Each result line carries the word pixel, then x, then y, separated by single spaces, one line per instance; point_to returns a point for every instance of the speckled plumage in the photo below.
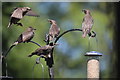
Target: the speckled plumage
pixel 87 23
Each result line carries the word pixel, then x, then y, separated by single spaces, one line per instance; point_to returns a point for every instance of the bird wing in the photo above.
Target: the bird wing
pixel 17 13
pixel 54 30
pixel 31 13
pixel 27 36
pixel 19 40
pixel 87 23
pixel 41 50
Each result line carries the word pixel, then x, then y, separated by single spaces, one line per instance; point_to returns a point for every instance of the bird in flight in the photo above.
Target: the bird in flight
pixel 19 13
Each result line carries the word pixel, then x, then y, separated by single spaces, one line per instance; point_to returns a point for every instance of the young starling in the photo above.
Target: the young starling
pixel 53 31
pixel 87 23
pixel 24 37
pixel 43 51
pixel 18 14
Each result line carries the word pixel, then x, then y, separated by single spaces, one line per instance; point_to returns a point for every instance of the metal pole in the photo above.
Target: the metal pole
pixel 0 66
pixel 93 69
pixel 51 73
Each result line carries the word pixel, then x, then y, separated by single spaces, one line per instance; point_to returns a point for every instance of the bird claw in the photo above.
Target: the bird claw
pixel 29 55
pixel 20 24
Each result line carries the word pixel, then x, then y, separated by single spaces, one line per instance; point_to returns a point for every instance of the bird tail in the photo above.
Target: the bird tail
pixel 9 25
pixel 15 43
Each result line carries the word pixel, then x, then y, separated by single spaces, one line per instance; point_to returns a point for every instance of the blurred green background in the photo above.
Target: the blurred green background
pixel 69 58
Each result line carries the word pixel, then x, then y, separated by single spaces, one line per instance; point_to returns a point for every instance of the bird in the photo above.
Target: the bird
pixel 19 13
pixel 87 23
pixel 43 51
pixel 54 30
pixel 24 37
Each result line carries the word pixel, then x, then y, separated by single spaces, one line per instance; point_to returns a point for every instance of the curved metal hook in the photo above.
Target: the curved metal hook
pixel 35 43
pixel 66 32
pixel 38 62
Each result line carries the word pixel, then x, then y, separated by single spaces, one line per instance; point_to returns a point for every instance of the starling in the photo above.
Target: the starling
pixel 43 51
pixel 87 23
pixel 24 37
pixel 18 14
pixel 53 31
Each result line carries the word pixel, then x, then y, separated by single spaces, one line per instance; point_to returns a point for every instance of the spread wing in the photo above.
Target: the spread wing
pixel 17 13
pixel 31 13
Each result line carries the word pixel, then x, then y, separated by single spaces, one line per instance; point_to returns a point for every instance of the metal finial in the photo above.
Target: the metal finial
pixel 93 53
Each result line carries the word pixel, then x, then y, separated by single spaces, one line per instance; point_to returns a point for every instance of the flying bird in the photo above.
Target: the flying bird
pixel 87 23
pixel 19 13
pixel 53 31
pixel 24 37
pixel 43 51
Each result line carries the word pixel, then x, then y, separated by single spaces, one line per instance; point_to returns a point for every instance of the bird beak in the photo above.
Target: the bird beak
pixel 49 20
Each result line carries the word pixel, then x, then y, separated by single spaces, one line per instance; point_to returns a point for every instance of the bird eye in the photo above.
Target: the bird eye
pixel 50 21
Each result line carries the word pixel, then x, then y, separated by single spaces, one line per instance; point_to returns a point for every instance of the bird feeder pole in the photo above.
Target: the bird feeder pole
pixel 0 66
pixel 93 68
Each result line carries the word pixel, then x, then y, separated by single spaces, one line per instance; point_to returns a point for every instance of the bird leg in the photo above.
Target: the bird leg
pixel 31 54
pixel 89 34
pixel 19 24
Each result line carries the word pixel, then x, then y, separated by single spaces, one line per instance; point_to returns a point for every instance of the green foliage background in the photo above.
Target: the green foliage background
pixel 70 61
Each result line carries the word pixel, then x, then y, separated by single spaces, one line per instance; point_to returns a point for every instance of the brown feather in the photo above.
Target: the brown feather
pixel 87 23
pixel 44 50
pixel 54 30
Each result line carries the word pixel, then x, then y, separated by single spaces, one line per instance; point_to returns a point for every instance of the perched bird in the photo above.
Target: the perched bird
pixel 87 23
pixel 43 51
pixel 24 37
pixel 53 31
pixel 19 13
